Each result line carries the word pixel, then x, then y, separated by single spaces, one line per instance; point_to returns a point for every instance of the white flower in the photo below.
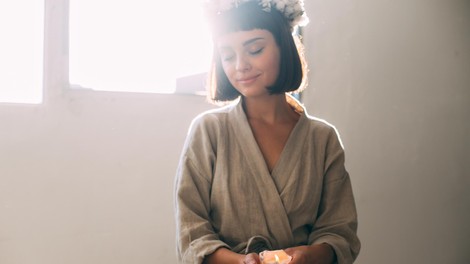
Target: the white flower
pixel 293 10
pixel 281 5
pixel 266 5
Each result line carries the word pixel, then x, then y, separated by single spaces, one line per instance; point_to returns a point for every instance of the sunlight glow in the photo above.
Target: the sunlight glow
pixel 21 51
pixel 136 45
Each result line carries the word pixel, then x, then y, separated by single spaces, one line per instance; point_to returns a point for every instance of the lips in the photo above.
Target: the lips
pixel 248 79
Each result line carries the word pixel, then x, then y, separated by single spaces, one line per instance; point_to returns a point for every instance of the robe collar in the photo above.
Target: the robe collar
pixel 271 186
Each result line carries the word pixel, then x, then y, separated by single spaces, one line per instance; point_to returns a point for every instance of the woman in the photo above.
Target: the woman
pixel 260 173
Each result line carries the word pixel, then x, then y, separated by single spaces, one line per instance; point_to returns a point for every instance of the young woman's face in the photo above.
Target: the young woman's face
pixel 250 60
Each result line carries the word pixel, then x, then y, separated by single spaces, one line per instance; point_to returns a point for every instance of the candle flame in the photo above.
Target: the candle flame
pixel 277 258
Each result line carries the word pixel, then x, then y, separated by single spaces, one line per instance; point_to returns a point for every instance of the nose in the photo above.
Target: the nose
pixel 242 64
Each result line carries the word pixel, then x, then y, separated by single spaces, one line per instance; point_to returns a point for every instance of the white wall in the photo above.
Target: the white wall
pixel 87 177
pixel 90 179
pixel 394 77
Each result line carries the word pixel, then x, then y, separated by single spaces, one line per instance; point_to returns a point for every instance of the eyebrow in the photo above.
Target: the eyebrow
pixel 246 43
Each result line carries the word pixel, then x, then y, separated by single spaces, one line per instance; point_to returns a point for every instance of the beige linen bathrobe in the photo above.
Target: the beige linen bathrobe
pixel 225 194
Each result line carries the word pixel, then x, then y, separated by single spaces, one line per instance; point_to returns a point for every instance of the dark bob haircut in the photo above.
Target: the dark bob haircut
pixel 249 16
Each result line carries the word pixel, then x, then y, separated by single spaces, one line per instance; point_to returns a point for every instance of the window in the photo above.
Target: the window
pixel 136 45
pixel 21 51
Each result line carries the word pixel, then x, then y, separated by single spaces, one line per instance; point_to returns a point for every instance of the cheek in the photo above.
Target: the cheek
pixel 228 69
pixel 274 64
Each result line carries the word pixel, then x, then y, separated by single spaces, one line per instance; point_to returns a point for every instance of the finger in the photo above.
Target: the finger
pixel 252 258
pixel 289 251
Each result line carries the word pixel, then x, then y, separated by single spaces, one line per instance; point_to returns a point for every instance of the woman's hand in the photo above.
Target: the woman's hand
pixel 225 256
pixel 252 258
pixel 314 254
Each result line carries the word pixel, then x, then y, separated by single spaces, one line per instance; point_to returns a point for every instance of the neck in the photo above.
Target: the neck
pixel 270 109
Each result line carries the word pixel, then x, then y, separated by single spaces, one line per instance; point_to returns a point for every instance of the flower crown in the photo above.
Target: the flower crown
pixel 293 10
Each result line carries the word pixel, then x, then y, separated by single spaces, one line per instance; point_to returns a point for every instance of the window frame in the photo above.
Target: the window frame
pixel 56 83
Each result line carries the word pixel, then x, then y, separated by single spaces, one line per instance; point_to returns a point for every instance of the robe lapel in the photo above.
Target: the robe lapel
pixel 290 155
pixel 279 224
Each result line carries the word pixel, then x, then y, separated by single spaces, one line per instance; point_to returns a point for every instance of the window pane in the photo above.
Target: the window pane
pixel 21 51
pixel 136 45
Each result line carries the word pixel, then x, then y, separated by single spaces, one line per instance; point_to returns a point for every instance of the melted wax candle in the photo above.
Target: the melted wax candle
pixel 274 257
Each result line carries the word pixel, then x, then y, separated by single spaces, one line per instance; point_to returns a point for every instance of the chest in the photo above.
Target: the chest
pixel 271 140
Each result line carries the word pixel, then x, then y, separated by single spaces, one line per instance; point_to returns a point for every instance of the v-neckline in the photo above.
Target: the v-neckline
pixel 270 184
pixel 254 149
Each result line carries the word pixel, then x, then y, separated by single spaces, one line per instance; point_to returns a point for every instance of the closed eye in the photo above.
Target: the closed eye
pixel 227 56
pixel 257 51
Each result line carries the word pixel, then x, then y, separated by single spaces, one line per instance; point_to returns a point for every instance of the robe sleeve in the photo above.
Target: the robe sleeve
pixel 195 235
pixel 336 222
